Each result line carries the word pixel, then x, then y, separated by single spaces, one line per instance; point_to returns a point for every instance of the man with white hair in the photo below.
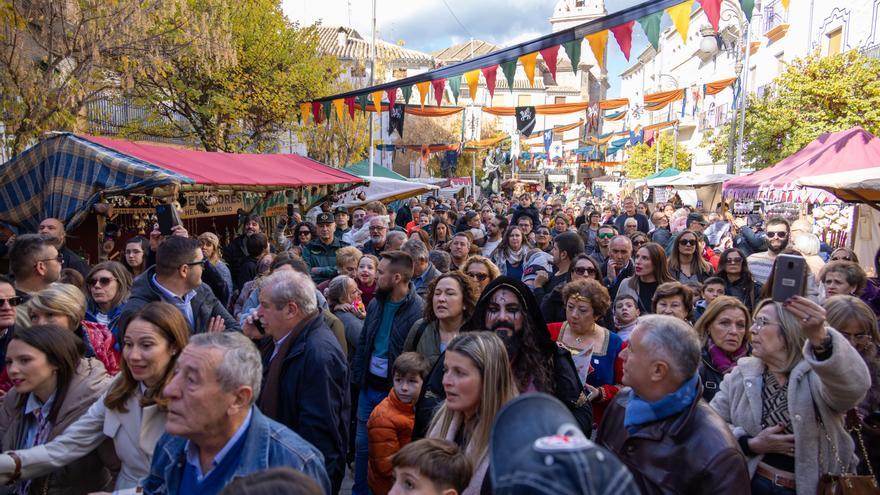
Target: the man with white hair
pixel 305 371
pixel 378 231
pixel 214 433
pixel 661 417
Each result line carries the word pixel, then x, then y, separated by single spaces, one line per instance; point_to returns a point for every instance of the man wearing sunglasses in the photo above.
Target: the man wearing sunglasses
pixel 777 232
pixel 35 263
pixel 176 278
pixel 603 243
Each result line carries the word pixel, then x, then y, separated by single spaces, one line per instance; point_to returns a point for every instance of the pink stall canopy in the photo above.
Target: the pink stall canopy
pixel 845 151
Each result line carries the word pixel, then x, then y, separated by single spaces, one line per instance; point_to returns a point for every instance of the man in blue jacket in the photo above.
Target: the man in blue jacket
pixel 213 432
pixel 390 315
pixel 305 378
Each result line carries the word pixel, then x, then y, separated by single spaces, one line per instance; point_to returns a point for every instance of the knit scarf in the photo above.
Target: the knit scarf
pixel 723 361
pixel 516 257
pixel 640 412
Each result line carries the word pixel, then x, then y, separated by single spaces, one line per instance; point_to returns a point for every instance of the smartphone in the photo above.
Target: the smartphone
pixel 789 277
pixel 289 210
pixel 168 218
pixel 258 323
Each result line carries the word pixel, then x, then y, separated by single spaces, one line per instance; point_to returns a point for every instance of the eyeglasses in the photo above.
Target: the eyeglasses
pixel 841 258
pixel 857 338
pixel 480 277
pixel 377 229
pixel 202 262
pixel 305 232
pixel 639 243
pixel 102 281
pixel 12 301
pixel 760 323
pixel 734 261
pixel 58 258
pixel 779 234
pixel 581 270
pixel 607 235
pixel 687 242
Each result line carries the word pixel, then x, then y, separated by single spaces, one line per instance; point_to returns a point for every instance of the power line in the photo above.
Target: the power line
pixel 466 30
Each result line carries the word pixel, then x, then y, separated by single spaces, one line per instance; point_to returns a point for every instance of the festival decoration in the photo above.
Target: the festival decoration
pixel 423 91
pixel 681 18
pixel 550 56
pixel 573 50
pixel 712 9
pixel 651 26
pixel 438 85
pixel 597 42
pixel 623 34
pixel 489 74
pixel 528 62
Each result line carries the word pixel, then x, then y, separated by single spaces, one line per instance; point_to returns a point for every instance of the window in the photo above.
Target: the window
pixel 834 40
pixel 498 100
pixel 559 100
pixel 780 63
pixel 523 100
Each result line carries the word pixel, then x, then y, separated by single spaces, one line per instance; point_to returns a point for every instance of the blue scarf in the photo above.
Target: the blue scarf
pixel 640 412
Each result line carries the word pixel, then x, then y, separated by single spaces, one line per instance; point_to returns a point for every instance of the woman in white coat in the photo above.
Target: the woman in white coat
pixel 799 367
pixel 132 412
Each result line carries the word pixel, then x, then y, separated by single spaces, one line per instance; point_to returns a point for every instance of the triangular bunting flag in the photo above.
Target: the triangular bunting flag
pixel 573 50
pixel 623 34
pixel 712 8
pixel 473 79
pixel 489 74
pixel 304 110
pixel 438 85
pixel 392 97
pixel 377 101
pixel 407 92
pixel 550 55
pixel 327 109
pixel 748 7
pixel 350 103
pixel 455 87
pixel 316 111
pixel 339 106
pixel 597 43
pixel 509 69
pixel 785 4
pixel 681 18
pixel 362 101
pixel 528 63
pixel 423 91
pixel 651 26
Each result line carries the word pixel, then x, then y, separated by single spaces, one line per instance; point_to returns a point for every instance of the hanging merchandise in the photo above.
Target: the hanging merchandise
pixel 525 120
pixel 395 119
pixel 548 139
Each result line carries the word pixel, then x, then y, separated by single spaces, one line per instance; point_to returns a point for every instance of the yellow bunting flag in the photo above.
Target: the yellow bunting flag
pixel 528 62
pixel 377 100
pixel 597 43
pixel 473 79
pixel 681 17
pixel 305 110
pixel 339 105
pixel 785 4
pixel 423 91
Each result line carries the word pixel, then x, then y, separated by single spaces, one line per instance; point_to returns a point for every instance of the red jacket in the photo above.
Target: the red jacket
pixel 389 428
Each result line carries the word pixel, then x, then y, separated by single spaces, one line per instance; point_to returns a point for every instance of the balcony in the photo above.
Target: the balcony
pixel 775 22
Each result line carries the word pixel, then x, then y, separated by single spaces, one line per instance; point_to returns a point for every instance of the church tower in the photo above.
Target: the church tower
pixel 590 79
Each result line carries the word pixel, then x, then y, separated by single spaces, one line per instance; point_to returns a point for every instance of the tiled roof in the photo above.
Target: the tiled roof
pixel 462 51
pixel 357 48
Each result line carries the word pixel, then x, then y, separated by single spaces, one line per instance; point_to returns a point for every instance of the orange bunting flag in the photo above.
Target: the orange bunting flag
pixel 377 100
pixel 549 55
pixel 339 106
pixel 681 17
pixel 438 85
pixel 785 4
pixel 304 110
pixel 423 91
pixel 528 62
pixel 597 43
pixel 473 79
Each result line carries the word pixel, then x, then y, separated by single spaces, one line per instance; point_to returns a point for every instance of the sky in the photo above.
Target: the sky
pixel 429 25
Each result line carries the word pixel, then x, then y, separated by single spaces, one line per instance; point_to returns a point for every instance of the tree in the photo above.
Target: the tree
pixel 240 102
pixel 813 96
pixel 337 142
pixel 57 55
pixel 643 158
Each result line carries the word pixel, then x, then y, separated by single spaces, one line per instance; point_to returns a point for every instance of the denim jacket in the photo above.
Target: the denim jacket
pixel 268 444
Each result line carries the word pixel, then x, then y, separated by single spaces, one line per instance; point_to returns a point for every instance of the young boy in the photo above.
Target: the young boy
pixel 626 312
pixel 712 288
pixel 391 424
pixel 430 467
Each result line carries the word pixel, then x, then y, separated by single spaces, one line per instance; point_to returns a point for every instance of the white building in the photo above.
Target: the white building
pixel 777 36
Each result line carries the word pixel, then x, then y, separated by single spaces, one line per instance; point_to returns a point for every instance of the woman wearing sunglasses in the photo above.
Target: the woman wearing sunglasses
pixel 481 270
pixel 686 262
pixel 584 268
pixel 733 268
pixel 108 285
pixel 544 239
pixel 9 300
pixel 303 233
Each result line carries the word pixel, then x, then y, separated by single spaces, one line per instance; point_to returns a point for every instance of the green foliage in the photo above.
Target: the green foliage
pixel 813 96
pixel 643 158
pixel 337 142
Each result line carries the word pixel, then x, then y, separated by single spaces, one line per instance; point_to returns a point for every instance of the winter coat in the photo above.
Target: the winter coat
pixel 322 256
pixel 389 428
pixel 99 343
pixel 831 386
pixel 424 338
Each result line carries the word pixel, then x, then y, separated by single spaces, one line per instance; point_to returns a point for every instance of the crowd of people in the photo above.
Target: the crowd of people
pixel 534 343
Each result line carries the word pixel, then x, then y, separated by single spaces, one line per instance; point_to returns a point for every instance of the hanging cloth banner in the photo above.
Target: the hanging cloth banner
pixel 657 127
pixel 407 93
pixel 392 96
pixel 525 120
pixel 712 9
pixel 623 34
pixel 528 62
pixel 713 88
pixel 438 85
pixel 658 101
pixel 395 119
pixel 484 143
pixel 573 50
pixel 509 70
pixel 428 111
pixel 350 103
pixel 489 74
pixel 651 26
pixel 615 116
pixel 423 91
pixel 597 42
pixel 748 7
pixel 473 79
pixel 612 104
pixel 550 56
pixel 455 87
pixel 339 106
pixel 304 110
pixel 556 109
pixel 681 18
pixel 430 148
pixel 548 140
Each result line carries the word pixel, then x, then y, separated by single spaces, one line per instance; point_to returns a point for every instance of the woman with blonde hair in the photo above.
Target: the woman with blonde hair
pixel 478 382
pixel 724 328
pixel 481 269
pixel 210 244
pixel 65 305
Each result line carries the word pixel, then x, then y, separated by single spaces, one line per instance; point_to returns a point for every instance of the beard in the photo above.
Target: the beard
pixel 511 338
pixel 777 249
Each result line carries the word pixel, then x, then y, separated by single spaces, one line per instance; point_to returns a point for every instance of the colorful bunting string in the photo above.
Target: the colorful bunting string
pixel 681 18
pixel 362 101
pixel 597 43
pixel 573 50
pixel 423 91
pixel 623 34
pixel 651 26
pixel 509 70
pixel 712 9
pixel 407 92
pixel 528 62
pixel 339 106
pixel 473 79
pixel 550 56
pixel 438 85
pixel 316 111
pixel 489 74
pixel 455 87
pixel 304 110
pixel 327 109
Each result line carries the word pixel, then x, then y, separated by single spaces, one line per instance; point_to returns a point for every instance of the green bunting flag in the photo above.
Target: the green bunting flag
pixel 328 109
pixel 509 69
pixel 362 101
pixel 407 92
pixel 748 6
pixel 573 50
pixel 455 87
pixel 651 26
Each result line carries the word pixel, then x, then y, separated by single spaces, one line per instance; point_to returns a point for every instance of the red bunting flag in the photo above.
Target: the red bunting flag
pixel 392 97
pixel 712 8
pixel 489 73
pixel 549 55
pixel 350 103
pixel 623 34
pixel 316 111
pixel 438 85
